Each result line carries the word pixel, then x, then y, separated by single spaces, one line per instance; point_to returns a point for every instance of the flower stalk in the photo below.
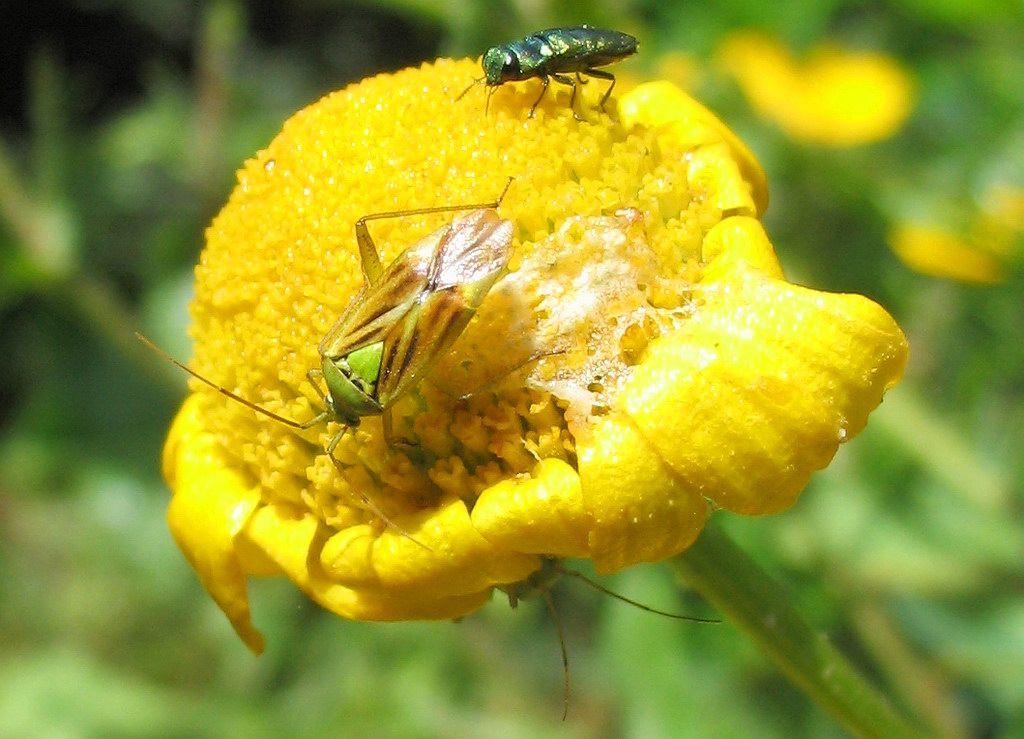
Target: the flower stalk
pixel 722 573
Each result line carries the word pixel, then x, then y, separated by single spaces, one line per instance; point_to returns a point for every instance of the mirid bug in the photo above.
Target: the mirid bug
pixel 405 317
pixel 556 54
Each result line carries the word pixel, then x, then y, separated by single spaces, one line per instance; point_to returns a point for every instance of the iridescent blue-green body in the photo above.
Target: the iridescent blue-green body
pixel 557 53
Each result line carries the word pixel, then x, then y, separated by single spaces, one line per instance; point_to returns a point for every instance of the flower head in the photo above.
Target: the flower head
pixel 641 362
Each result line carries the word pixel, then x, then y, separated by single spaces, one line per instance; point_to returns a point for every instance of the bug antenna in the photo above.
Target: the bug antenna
pixel 227 393
pixel 601 588
pixel 473 84
pixel 550 603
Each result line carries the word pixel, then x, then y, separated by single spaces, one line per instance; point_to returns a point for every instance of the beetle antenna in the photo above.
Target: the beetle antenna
pixel 471 86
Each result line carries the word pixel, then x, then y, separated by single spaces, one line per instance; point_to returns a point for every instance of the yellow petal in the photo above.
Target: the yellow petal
pixel 542 513
pixel 757 390
pixel 934 252
pixel 834 97
pixel 210 506
pixel 293 539
pixel 642 510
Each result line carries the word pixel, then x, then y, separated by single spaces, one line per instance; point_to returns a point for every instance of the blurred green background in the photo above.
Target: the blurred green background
pixel 121 125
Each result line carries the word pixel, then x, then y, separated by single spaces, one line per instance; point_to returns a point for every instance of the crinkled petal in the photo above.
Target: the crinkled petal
pixel 293 539
pixel 642 510
pixel 541 513
pixel 442 554
pixel 759 387
pixel 663 105
pixel 211 504
pixel 738 243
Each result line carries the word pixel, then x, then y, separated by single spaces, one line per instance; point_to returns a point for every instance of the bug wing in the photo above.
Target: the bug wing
pixel 474 251
pixel 377 308
pixel 467 262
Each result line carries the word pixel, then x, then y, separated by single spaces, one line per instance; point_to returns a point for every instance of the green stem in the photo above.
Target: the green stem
pixel 723 573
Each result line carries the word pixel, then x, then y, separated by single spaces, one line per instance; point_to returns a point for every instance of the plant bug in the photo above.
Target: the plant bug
pixel 406 316
pixel 552 54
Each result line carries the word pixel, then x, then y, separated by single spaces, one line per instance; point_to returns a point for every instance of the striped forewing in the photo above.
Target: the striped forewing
pixel 468 260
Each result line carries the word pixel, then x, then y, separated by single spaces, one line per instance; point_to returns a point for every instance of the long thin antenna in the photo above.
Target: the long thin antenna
pixel 224 391
pixel 550 603
pixel 472 85
pixel 601 588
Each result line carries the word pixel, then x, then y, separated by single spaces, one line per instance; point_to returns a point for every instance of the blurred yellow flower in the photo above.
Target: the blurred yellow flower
pixel 834 97
pixel 982 253
pixel 938 253
pixel 681 69
pixel 674 370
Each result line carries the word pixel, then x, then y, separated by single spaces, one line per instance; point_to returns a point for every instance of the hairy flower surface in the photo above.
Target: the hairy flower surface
pixel 833 97
pixel 641 362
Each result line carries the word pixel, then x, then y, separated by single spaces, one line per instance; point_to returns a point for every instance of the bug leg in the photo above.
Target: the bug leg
pixel 368 255
pixel 387 422
pixel 540 97
pixel 503 375
pixel 299 425
pixel 363 498
pixel 605 76
pixel 372 267
pixel 367 503
pixel 572 98
pixel 313 376
pixel 560 630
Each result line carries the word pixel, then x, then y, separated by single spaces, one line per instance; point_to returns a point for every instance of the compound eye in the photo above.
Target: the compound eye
pixel 511 63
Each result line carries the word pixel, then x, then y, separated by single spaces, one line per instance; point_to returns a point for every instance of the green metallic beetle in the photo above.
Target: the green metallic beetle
pixel 553 54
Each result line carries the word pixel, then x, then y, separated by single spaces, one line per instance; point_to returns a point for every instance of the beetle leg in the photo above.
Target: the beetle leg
pixel 540 97
pixel 572 99
pixel 605 76
pixel 487 105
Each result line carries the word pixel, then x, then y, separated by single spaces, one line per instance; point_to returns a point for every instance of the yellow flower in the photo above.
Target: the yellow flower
pixel 834 97
pixel 983 254
pixel 935 252
pixel 642 362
